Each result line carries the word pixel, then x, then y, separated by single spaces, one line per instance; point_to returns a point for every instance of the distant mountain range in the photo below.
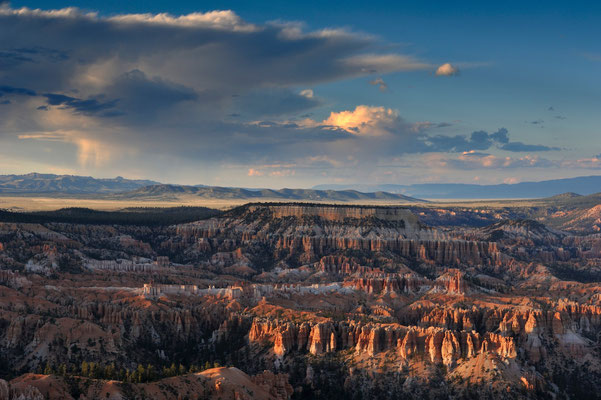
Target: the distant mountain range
pixel 124 189
pixel 67 184
pixel 584 185
pixel 121 188
pixel 214 192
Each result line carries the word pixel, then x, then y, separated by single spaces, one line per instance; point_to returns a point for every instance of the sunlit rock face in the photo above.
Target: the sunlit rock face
pixel 299 296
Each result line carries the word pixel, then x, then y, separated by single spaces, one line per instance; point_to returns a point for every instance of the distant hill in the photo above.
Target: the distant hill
pixel 584 185
pixel 572 200
pixel 558 191
pixel 67 184
pixel 215 192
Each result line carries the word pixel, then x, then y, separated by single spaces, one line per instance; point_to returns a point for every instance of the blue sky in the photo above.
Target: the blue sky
pixel 252 107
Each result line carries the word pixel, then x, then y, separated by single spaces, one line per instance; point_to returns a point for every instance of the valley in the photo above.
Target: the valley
pixel 306 300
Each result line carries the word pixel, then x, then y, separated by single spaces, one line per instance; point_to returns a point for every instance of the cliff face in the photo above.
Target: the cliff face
pixel 437 345
pixel 440 335
pixel 343 297
pixel 312 233
pixel 340 213
pixel 390 283
pixel 114 329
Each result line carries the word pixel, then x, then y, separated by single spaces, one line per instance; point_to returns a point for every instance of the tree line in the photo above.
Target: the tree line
pixel 140 374
pixel 130 216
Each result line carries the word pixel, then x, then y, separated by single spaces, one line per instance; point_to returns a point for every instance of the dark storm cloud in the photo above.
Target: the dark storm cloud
pixel 194 87
pixel 214 51
pixel 16 90
pixel 11 58
pixel 143 98
pixel 91 106
pixel 165 80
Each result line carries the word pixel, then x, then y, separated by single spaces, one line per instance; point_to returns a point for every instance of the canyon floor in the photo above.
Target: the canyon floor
pixel 308 301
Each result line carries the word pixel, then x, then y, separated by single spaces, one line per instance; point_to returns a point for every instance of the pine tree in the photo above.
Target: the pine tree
pixel 48 370
pixel 93 370
pixel 172 371
pixel 141 374
pixel 109 371
pixel 150 373
pixel 85 368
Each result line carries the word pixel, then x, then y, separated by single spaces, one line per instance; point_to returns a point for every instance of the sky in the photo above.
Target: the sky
pixel 295 94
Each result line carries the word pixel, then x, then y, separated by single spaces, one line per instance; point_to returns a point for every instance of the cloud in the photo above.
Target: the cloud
pixel 382 63
pixel 379 82
pixel 205 51
pixel 282 173
pixel 145 98
pixel 365 120
pixel 474 160
pixel 308 93
pixel 447 69
pixel 477 140
pixel 203 89
pixel 582 163
pixel 254 172
pixel 500 136
pixel 522 147
pixel 482 140
pixel 224 20
pixel 8 90
pixel 427 125
pixel 396 134
pixel 159 83
pixel 91 106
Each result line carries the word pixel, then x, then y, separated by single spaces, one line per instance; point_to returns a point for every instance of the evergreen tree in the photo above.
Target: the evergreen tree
pixel 150 373
pixel 140 374
pixel 109 371
pixel 48 370
pixel 172 370
pixel 85 368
